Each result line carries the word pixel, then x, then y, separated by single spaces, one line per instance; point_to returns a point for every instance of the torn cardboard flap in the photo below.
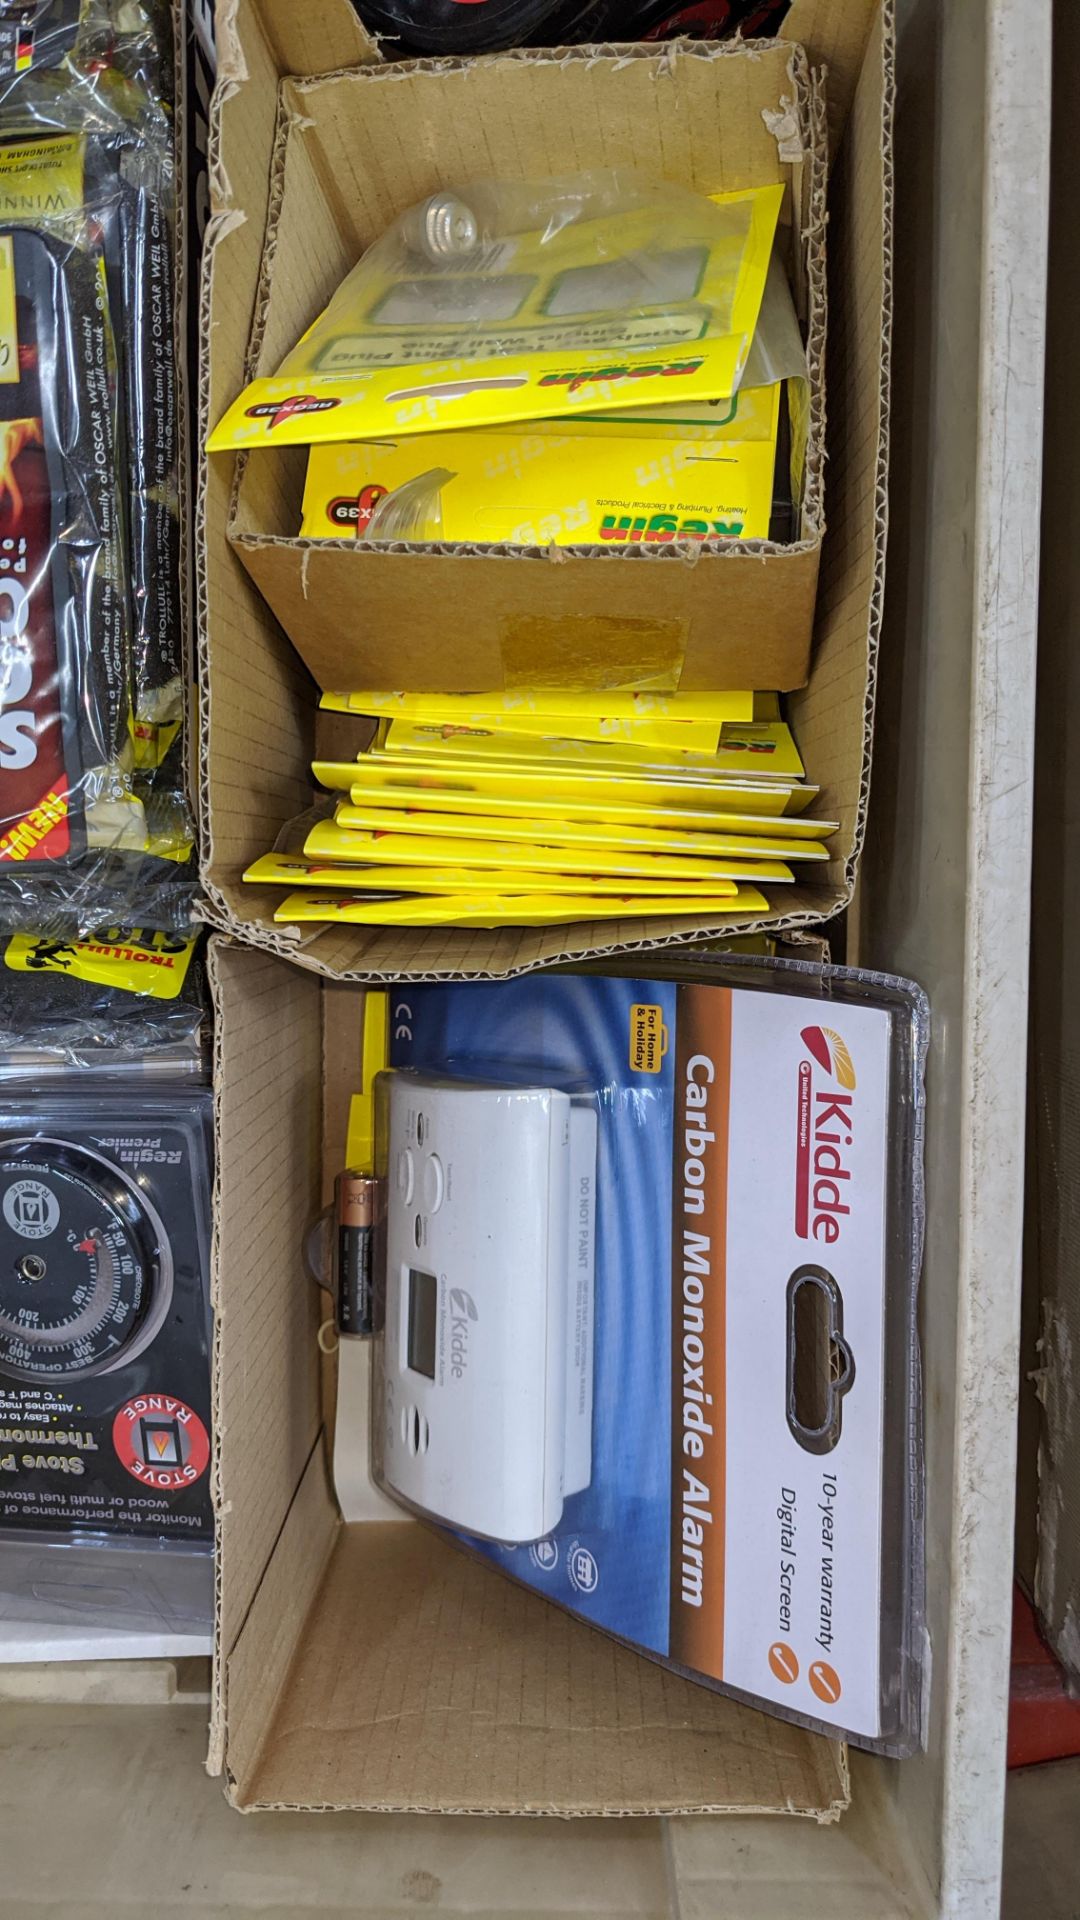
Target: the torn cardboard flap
pixel 784 126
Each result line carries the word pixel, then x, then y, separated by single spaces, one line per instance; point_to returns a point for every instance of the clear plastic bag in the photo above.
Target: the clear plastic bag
pixel 76 63
pixel 65 776
pixel 86 153
pixel 509 267
pixel 128 1001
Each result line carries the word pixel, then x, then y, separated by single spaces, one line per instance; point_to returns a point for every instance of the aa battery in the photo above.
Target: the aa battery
pixel 354 1205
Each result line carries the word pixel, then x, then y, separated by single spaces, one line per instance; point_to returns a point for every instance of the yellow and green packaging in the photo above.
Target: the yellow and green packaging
pixel 699 471
pixel 573 297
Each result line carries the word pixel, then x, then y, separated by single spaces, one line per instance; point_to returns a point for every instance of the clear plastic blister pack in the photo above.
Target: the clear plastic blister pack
pixel 94 817
pixel 105 1182
pixel 503 267
pixel 644 1304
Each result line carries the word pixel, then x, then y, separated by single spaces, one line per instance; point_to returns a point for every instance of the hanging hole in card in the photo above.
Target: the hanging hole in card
pixel 820 1365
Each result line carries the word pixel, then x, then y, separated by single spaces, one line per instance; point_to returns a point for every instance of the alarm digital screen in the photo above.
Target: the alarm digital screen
pixel 423 1300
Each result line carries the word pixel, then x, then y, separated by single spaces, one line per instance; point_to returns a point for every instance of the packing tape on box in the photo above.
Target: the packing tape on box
pixel 585 653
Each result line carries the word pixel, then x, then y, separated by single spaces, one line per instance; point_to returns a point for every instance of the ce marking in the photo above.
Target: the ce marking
pixel 403 1021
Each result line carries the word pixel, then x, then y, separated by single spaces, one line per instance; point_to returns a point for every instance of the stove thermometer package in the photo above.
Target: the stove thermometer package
pixel 104 1314
pixel 650 1348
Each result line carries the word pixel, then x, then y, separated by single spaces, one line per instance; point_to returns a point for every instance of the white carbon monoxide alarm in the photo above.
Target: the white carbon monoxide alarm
pixel 487 1365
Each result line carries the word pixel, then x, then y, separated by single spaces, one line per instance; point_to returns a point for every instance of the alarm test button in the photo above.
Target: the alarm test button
pixel 434 1183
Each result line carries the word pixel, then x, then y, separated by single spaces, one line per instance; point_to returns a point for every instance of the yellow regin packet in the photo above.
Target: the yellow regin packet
pixel 772 843
pixel 635 299
pixel 341 845
pixel 572 483
pixel 762 750
pixel 289 870
pixel 514 910
pixel 507 709
pixel 598 792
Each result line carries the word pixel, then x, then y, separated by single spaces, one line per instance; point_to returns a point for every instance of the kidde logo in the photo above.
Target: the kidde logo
pixel 825 1131
pixel 462 1311
pixel 274 412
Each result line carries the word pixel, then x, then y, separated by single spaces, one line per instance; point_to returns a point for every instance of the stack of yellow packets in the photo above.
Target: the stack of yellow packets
pixel 523 809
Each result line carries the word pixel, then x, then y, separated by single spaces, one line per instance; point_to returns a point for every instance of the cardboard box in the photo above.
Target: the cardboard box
pixel 471 618
pixel 952 809
pixel 257 701
pixel 371 1665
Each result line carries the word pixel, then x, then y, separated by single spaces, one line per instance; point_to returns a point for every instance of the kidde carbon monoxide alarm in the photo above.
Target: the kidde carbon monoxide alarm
pixel 487 1369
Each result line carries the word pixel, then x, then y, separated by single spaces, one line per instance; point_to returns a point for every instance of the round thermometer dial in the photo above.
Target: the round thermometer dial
pixel 85 1269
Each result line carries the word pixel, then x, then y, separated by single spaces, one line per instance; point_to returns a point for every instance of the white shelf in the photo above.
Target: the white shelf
pixel 136 1602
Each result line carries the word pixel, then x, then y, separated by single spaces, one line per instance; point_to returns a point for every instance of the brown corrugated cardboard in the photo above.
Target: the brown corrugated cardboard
pixel 265 1350
pixel 1048 1542
pixel 836 35
pixel 257 708
pixel 469 618
pixel 372 1666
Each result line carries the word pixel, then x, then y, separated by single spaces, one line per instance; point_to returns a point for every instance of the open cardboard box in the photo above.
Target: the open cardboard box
pixel 371 1665
pixel 945 897
pixel 468 619
pixel 303 173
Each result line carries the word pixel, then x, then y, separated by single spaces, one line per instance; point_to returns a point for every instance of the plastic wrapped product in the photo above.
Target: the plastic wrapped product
pixel 126 1001
pixel 105 71
pixel 104 1316
pixel 64 63
pixel 106 195
pixel 499 301
pixel 645 1334
pixel 65 754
